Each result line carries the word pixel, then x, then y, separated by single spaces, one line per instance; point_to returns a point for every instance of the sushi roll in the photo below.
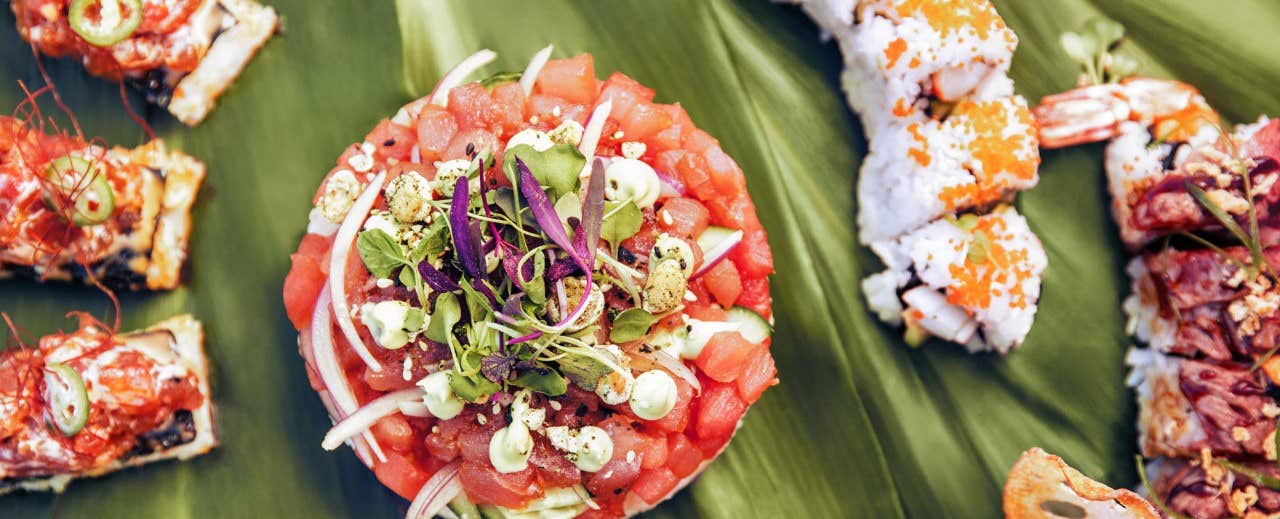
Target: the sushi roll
pixel 535 297
pixel 1041 485
pixel 979 156
pixel 1185 406
pixel 1208 489
pixel 1162 137
pixel 906 59
pixel 1204 303
pixel 948 143
pixel 972 280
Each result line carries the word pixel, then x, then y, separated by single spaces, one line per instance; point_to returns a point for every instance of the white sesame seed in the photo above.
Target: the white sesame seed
pixel 480 419
pixel 555 405
pixel 555 110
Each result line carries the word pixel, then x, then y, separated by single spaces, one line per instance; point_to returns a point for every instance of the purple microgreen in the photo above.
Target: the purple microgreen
pixel 464 243
pixel 561 269
pixel 543 211
pixel 483 289
pixel 549 221
pixel 497 366
pixel 593 212
pixel 511 309
pixel 438 281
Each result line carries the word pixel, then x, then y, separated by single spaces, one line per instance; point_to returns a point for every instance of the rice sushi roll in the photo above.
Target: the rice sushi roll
pixel 948 143
pixel 1205 488
pixel 1187 405
pixel 972 280
pixel 545 296
pixel 905 59
pixel 979 156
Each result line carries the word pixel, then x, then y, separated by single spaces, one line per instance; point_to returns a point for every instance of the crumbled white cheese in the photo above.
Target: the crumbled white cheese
pixel 448 173
pixel 340 192
pixel 532 137
pixel 408 197
pixel 569 132
pixel 633 149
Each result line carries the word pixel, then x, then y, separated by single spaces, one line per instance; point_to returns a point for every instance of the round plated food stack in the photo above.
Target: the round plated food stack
pixel 539 292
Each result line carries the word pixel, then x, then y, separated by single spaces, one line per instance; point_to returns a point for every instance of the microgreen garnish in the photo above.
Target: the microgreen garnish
pixel 495 271
pixel 1093 48
pixel 622 220
pixel 1151 491
pixel 631 324
pixel 1260 478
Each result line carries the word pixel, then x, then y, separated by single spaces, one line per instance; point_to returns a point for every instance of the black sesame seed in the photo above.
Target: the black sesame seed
pixel 471 149
pixel 389 143
pixel 683 265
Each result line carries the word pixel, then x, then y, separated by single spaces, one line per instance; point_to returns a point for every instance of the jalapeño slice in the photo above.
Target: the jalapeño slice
pixel 67 397
pixel 80 188
pixel 104 23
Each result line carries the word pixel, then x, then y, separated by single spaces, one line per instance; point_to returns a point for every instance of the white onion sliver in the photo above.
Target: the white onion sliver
pixel 459 73
pixel 416 409
pixel 338 268
pixel 530 75
pixel 718 253
pixel 339 399
pixel 364 418
pixel 436 494
pixel 676 367
pixel 591 134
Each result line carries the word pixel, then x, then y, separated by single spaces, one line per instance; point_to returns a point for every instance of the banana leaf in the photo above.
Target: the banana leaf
pixel 862 426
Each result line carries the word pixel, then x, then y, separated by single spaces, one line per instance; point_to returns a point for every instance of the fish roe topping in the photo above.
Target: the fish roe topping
pixel 948 17
pixel 919 154
pixel 995 264
pixel 894 51
pixel 999 139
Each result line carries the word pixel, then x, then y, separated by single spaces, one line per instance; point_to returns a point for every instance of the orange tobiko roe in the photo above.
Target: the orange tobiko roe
pixel 732 371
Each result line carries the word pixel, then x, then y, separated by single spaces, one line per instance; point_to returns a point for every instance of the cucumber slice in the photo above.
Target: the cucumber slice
pixel 752 326
pixel 713 236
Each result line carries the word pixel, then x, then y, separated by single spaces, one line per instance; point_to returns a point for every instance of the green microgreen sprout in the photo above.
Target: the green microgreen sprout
pixel 1094 49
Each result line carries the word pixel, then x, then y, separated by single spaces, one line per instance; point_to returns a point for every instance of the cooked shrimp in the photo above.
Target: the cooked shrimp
pixel 1173 110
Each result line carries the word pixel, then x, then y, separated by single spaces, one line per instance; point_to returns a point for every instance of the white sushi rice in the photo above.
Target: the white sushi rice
pixel 1143 310
pixel 933 254
pixel 1166 421
pixel 905 180
pixel 890 58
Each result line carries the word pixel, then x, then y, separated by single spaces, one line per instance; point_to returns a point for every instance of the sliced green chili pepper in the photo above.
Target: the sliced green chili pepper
pixel 105 22
pixel 83 184
pixel 68 400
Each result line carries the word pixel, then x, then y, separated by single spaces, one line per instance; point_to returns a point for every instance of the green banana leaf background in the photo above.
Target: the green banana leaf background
pixel 862 426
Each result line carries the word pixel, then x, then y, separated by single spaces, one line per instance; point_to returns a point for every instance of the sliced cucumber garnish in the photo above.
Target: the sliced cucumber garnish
pixel 79 190
pixel 752 326
pixel 712 236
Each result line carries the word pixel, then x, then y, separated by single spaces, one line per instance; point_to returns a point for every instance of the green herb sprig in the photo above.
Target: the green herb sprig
pixel 1093 48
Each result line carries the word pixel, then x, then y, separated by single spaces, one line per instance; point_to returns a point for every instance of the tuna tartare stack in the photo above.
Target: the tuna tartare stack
pixel 540 294
pixel 950 145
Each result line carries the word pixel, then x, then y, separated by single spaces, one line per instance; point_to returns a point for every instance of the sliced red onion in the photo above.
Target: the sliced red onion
pixel 458 74
pixel 338 257
pixel 436 494
pixel 595 126
pixel 718 253
pixel 364 418
pixel 339 399
pixel 530 75
pixel 676 366
pixel 672 187
pixel 592 214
